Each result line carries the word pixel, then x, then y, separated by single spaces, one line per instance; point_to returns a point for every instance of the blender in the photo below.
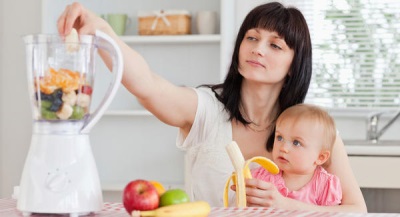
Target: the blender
pixel 60 174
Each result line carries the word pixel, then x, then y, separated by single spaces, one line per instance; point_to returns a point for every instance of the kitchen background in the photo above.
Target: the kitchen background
pixel 129 143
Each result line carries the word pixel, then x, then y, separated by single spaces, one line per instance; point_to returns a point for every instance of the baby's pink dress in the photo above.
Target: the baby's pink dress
pixel 323 189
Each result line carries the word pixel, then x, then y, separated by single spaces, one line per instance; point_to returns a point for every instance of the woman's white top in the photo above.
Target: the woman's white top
pixel 207 164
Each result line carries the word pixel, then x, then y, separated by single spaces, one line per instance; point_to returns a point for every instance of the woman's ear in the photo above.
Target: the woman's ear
pixel 322 157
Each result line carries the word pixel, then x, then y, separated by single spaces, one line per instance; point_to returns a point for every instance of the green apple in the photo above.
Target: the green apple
pixel 173 196
pixel 78 113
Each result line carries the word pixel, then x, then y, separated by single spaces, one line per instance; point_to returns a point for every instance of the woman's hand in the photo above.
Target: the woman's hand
pixel 84 21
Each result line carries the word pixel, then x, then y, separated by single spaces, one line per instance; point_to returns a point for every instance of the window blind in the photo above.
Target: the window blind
pixel 356 52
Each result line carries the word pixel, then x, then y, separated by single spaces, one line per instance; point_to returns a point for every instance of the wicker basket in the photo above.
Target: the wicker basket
pixel 170 22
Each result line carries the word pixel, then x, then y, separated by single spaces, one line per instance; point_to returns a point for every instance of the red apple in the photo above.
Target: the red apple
pixel 140 195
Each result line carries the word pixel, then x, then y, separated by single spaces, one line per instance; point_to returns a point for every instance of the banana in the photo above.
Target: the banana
pixel 192 209
pixel 242 172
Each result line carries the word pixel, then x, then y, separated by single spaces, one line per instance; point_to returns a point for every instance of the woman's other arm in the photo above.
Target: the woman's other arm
pixel 352 199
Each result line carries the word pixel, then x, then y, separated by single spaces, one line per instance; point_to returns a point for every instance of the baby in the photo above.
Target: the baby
pixel 304 138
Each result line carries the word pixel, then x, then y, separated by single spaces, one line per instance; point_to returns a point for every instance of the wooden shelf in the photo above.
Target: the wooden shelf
pixel 172 39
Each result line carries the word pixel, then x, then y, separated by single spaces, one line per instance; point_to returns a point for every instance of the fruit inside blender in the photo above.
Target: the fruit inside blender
pixel 62 95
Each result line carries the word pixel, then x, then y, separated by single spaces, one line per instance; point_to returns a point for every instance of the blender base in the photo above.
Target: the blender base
pixel 27 214
pixel 60 177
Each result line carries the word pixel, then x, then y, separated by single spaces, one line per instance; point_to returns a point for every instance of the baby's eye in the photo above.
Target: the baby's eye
pixel 296 143
pixel 279 138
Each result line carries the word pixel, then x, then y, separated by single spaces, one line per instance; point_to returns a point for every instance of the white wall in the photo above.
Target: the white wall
pixel 15 116
pixel 1 91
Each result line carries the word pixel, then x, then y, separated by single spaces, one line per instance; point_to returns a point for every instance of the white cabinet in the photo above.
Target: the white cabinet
pixel 128 142
pixel 376 172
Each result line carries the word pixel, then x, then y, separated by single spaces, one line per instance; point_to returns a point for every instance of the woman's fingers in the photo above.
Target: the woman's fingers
pixel 61 22
pixel 70 18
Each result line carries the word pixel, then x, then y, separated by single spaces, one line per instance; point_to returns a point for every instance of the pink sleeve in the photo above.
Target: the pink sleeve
pixel 261 173
pixel 331 194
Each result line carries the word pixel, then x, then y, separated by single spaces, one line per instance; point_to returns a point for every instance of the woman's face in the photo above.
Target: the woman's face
pixel 264 57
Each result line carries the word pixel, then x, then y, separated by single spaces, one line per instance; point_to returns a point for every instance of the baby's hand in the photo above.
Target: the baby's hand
pixel 263 194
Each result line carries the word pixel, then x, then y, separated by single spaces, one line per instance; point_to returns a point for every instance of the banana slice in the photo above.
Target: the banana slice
pixel 72 41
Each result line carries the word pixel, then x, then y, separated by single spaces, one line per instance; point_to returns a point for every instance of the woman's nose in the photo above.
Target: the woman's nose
pixel 258 50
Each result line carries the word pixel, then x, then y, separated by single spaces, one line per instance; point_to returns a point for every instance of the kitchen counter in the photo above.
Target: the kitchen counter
pixel 8 209
pixel 371 150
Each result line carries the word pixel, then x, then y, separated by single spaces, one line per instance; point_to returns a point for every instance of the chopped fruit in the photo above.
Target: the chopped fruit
pixel 64 94
pixel 46 88
pixel 57 94
pixel 72 41
pixel 48 115
pixel 44 96
pixel 56 105
pixel 65 112
pixel 69 98
pixel 86 89
pixel 63 78
pixel 46 104
pixel 78 113
pixel 83 100
pixel 57 101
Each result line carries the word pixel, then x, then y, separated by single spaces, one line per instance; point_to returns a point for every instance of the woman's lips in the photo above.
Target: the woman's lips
pixel 255 63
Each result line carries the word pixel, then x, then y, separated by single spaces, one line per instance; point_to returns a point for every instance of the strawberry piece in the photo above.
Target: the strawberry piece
pixel 86 89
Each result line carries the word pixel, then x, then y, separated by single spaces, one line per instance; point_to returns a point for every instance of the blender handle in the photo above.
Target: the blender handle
pixel 117 70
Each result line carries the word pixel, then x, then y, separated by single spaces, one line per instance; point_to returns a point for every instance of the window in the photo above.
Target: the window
pixel 356 52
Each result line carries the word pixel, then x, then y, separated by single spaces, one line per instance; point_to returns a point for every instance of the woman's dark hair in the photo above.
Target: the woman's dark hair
pixel 290 24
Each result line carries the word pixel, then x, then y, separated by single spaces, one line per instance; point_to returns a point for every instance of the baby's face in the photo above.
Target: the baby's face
pixel 297 146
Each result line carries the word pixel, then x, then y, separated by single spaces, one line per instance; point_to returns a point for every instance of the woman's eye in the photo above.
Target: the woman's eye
pixel 296 143
pixel 279 138
pixel 251 38
pixel 276 46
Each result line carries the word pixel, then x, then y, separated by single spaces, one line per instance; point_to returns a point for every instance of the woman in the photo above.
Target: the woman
pixel 270 71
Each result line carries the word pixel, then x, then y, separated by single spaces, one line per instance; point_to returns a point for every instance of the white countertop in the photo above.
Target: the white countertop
pixel 371 150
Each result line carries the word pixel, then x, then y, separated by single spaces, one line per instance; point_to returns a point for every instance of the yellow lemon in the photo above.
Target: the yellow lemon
pixel 159 187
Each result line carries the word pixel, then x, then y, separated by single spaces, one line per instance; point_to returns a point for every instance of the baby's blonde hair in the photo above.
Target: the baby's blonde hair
pixel 316 114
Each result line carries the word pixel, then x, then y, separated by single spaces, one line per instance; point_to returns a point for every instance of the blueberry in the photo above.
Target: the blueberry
pixel 57 94
pixel 56 105
pixel 44 96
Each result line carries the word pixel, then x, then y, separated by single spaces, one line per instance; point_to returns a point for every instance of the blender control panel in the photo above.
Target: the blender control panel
pixel 57 181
